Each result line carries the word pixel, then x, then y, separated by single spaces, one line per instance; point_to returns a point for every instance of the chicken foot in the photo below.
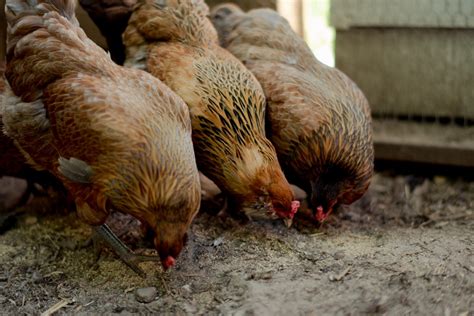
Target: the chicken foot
pixel 126 255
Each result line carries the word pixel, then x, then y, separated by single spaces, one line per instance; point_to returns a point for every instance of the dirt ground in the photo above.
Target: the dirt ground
pixel 405 248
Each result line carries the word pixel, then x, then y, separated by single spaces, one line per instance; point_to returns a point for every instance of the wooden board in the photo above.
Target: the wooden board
pixel 405 71
pixel 424 142
pixel 246 4
pixel 402 13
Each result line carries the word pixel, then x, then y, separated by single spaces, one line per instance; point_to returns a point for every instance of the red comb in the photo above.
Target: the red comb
pixel 168 262
pixel 294 208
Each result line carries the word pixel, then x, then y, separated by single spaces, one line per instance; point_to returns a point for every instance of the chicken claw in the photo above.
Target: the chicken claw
pixel 128 257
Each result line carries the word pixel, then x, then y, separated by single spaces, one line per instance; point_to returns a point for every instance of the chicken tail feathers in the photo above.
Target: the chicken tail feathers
pixel 65 8
pixel 45 41
pixel 26 16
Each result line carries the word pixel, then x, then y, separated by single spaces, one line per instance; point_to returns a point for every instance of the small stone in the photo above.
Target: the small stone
pixel 190 308
pixel 218 241
pixel 31 220
pixel 36 276
pixel 145 294
pixel 439 180
pixel 301 244
pixel 339 255
pixel 69 244
pixel 266 275
pixel 187 288
pixel 118 309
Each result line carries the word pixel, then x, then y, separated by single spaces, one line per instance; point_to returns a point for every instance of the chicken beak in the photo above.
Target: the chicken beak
pixel 288 222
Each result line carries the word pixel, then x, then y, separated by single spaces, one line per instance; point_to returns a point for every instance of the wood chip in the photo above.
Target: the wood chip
pixel 53 309
pixel 340 276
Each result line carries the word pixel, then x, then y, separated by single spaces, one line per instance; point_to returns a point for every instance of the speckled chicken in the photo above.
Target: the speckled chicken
pixel 319 120
pixel 118 138
pixel 175 41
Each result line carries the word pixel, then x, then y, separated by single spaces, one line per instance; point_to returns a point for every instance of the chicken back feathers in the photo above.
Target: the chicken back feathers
pixel 319 120
pixel 175 42
pixel 117 138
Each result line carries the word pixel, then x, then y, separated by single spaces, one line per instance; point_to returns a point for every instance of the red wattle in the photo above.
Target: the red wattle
pixel 320 216
pixel 295 205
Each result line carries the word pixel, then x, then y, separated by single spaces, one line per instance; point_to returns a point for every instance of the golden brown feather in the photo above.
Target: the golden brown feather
pixel 319 120
pixel 117 138
pixel 175 42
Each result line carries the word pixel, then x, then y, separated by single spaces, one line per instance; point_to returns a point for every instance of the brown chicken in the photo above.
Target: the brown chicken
pixel 319 120
pixel 118 138
pixel 175 41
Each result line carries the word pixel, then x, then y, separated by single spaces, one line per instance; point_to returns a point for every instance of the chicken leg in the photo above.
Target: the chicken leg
pixel 128 257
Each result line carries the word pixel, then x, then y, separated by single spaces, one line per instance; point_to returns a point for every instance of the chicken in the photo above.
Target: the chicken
pixel 117 138
pixel 111 16
pixel 175 41
pixel 319 120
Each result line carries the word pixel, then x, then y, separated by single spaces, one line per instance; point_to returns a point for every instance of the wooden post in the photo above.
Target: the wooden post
pixel 246 4
pixel 292 10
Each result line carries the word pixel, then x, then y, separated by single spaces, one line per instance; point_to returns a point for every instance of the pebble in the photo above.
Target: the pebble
pixel 301 244
pixel 439 180
pixel 69 244
pixel 219 241
pixel 187 288
pixel 36 276
pixel 339 255
pixel 145 294
pixel 31 220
